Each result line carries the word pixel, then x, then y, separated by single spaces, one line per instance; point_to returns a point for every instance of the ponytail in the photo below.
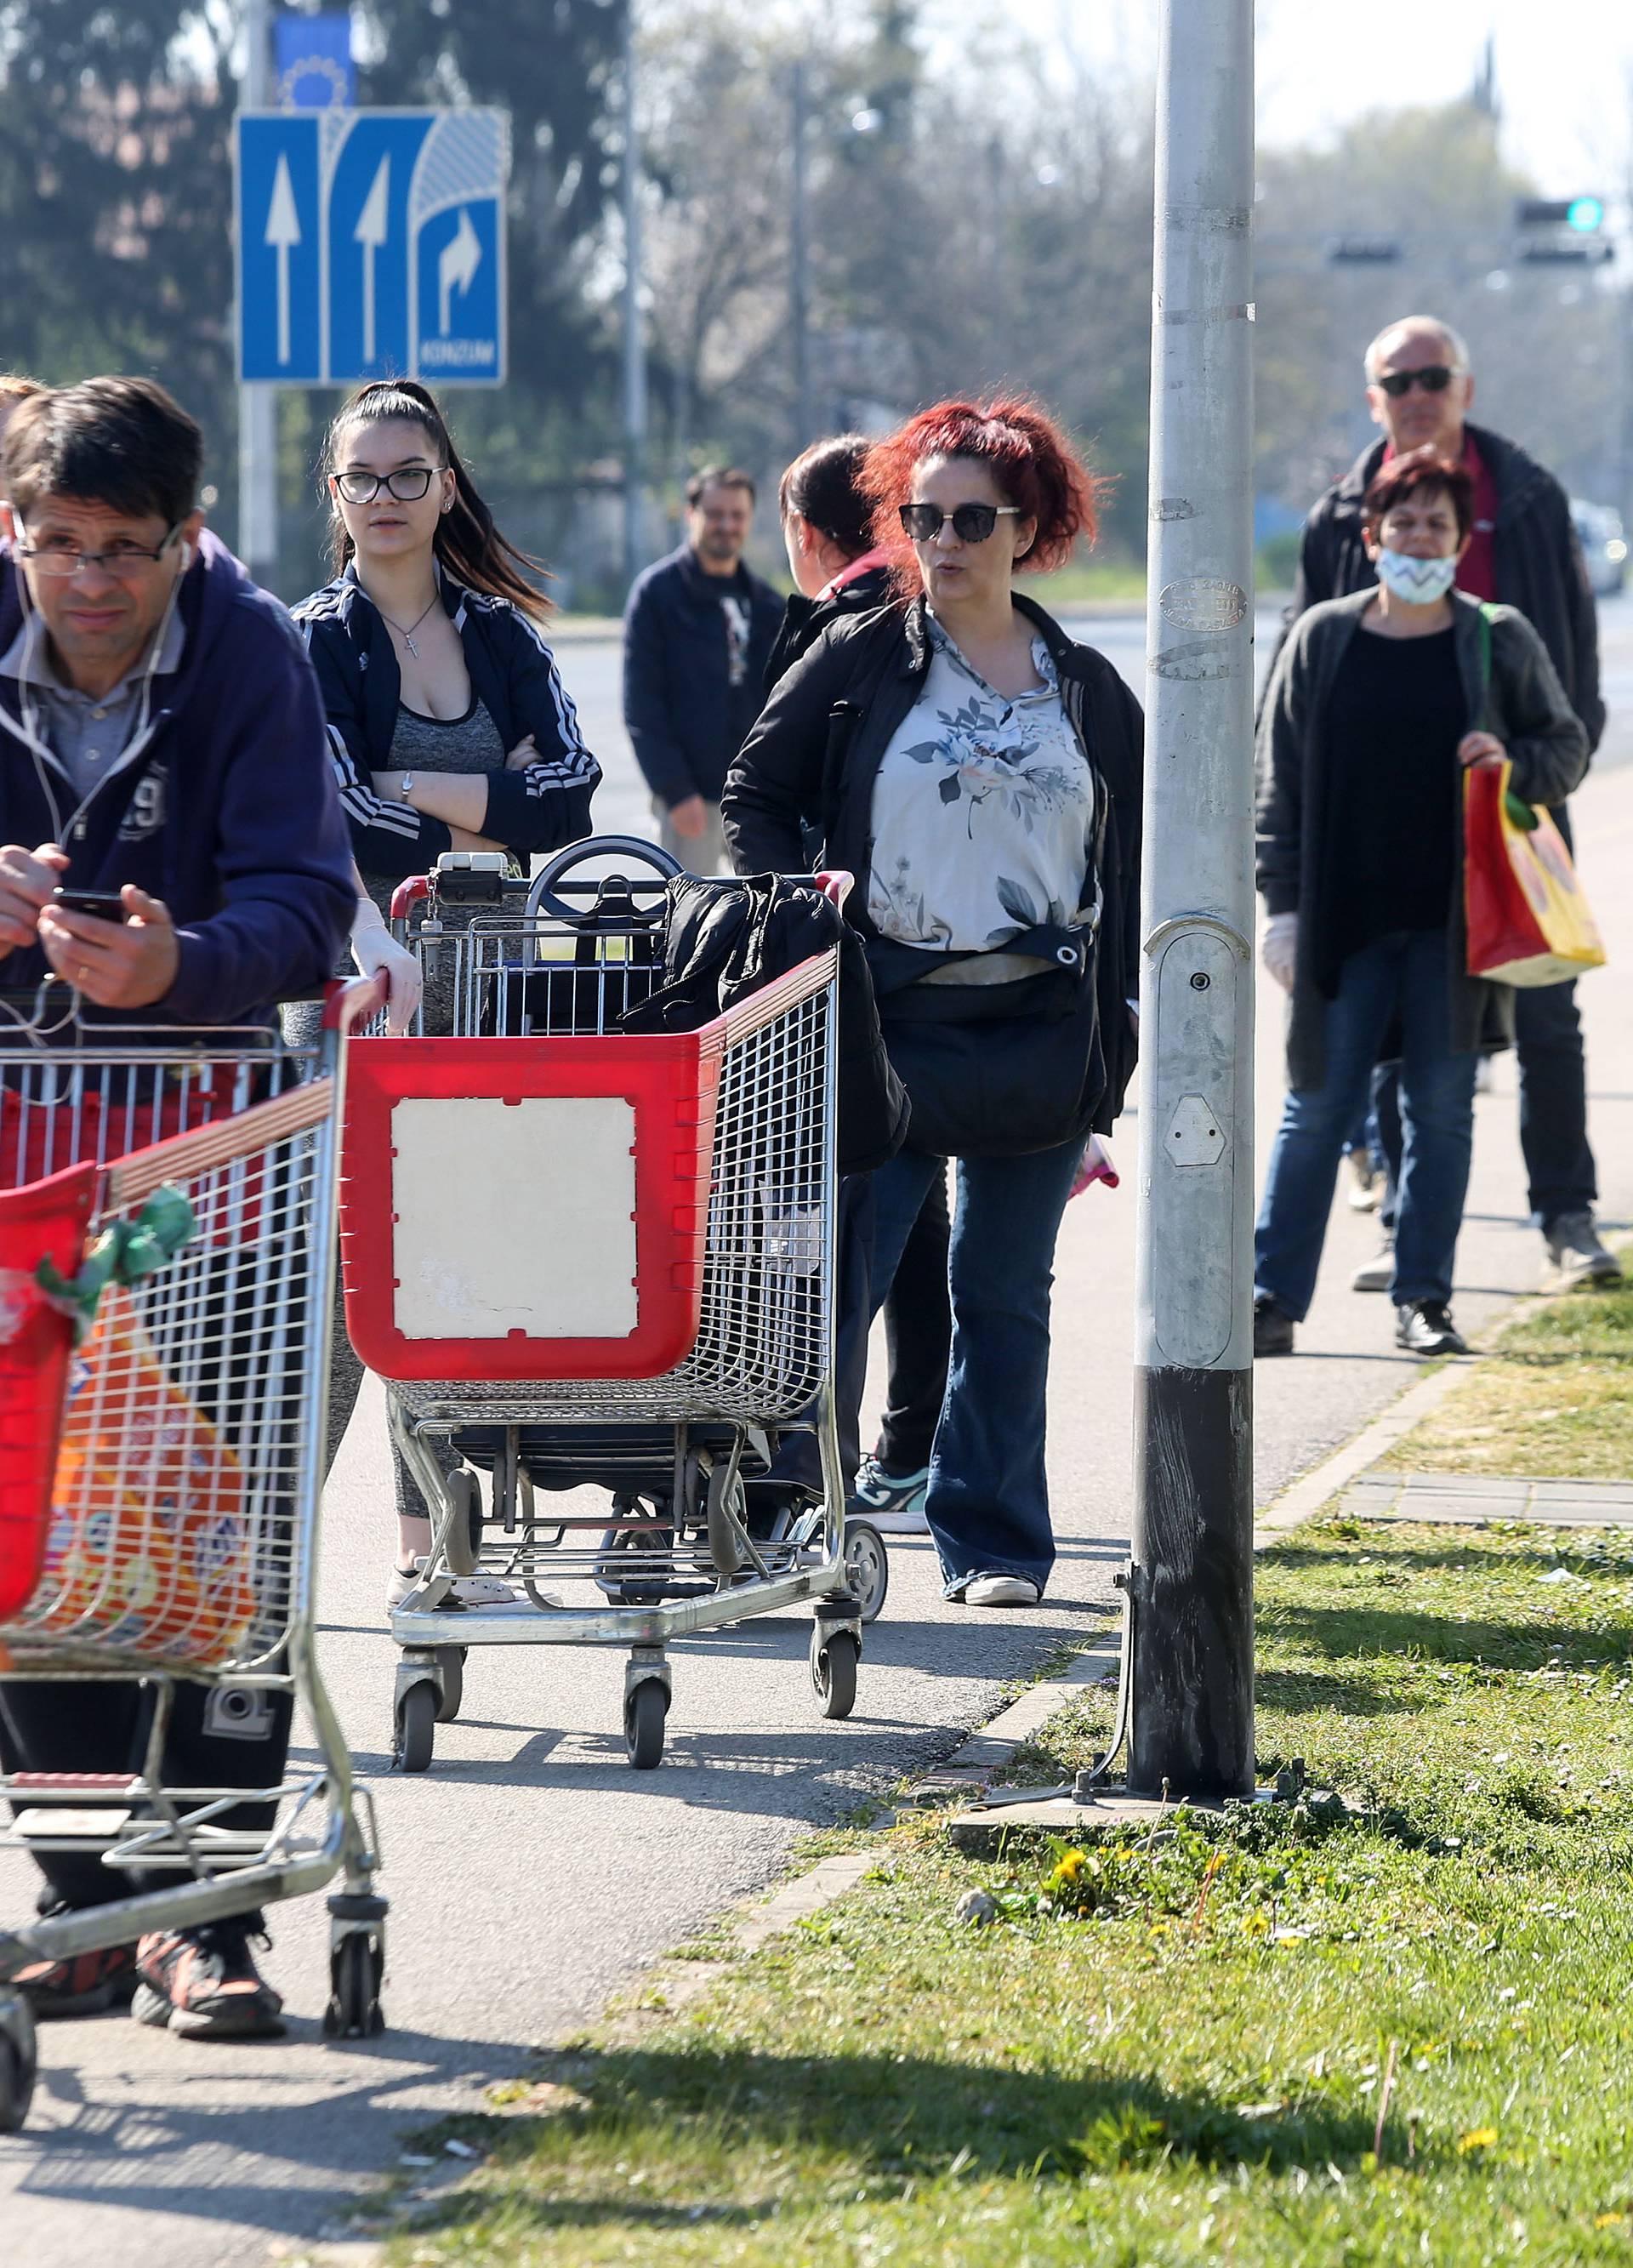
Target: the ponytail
pixel 466 545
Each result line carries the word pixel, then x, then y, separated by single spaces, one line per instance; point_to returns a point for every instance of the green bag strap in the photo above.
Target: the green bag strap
pixel 1519 813
pixel 125 1252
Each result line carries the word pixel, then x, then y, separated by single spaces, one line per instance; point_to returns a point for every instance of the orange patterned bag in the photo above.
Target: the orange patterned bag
pixel 150 1544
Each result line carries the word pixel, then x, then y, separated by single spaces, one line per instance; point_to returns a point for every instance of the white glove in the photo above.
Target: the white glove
pixel 377 953
pixel 1279 948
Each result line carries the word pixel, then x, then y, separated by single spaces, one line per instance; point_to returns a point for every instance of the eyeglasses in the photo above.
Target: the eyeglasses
pixel 1434 378
pixel 972 523
pixel 408 485
pixel 63 560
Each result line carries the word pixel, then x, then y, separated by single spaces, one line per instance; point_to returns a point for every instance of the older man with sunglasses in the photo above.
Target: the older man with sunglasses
pixel 1524 552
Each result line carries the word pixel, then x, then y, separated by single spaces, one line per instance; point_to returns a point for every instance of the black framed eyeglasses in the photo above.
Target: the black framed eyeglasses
pixel 407 484
pixel 58 558
pixel 972 523
pixel 1434 378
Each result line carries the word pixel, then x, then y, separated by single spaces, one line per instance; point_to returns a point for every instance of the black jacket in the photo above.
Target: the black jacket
pixel 813 759
pixel 514 675
pixel 805 620
pixel 685 716
pixel 1526 707
pixel 1540 568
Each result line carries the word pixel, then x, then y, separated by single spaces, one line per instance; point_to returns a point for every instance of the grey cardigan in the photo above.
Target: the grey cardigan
pixel 1525 708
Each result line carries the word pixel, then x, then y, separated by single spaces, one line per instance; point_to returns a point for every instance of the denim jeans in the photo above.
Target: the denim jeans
pixel 918 1333
pixel 1401 976
pixel 987 1501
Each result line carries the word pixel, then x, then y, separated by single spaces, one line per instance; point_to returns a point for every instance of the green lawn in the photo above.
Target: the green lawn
pixel 1314 2040
pixel 1553 1400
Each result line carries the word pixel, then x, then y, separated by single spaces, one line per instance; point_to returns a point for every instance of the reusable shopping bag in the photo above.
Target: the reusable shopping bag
pixel 150 1544
pixel 1527 915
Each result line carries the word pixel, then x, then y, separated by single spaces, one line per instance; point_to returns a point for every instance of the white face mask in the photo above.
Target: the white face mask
pixel 1416 582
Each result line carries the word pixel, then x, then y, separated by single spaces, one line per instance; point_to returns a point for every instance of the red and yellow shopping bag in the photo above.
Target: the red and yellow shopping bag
pixel 149 1543
pixel 1528 918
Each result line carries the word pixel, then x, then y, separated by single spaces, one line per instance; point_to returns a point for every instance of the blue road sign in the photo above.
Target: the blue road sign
pixel 372 245
pixel 315 69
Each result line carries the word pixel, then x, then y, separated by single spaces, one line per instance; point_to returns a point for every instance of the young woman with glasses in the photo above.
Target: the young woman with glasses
pixel 980 774
pixel 449 725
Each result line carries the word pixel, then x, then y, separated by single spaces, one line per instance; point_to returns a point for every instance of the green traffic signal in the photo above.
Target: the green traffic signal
pixel 1584 215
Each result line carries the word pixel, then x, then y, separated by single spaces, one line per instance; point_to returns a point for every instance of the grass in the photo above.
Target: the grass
pixel 1311 2038
pixel 1553 1400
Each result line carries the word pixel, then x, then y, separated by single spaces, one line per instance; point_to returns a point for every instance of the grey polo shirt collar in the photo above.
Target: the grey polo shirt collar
pixel 87 735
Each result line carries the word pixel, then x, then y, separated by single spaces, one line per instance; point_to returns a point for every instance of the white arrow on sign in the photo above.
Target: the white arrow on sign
pixel 461 258
pixel 283 234
pixel 373 227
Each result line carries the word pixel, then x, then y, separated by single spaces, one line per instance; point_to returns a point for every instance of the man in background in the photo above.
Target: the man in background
pixel 1524 552
pixel 697 631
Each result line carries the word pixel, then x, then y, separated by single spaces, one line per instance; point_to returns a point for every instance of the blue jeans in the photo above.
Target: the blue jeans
pixel 1401 976
pixel 987 1501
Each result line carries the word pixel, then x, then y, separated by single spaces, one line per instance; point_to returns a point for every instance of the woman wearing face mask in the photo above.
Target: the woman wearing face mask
pixel 449 725
pixel 1378 702
pixel 980 774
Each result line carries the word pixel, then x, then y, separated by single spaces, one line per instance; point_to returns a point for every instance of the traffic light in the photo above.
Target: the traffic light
pixel 1575 223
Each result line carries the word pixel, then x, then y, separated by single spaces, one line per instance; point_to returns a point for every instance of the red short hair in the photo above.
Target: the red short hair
pixel 1031 462
pixel 1420 471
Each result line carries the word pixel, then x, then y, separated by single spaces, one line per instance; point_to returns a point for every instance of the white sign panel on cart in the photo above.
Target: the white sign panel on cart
pixel 370 244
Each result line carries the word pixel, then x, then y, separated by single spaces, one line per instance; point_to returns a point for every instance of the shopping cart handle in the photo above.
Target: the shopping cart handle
pixel 410 893
pixel 835 883
pixel 353 1002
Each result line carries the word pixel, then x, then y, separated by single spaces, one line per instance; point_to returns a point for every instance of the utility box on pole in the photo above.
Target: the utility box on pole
pixel 1191 1579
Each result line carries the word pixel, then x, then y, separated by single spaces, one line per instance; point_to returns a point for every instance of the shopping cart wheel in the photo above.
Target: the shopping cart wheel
pixel 355 1967
pixel 646 1705
pixel 451 1664
pixel 834 1654
pixel 465 1528
pixel 725 1496
pixel 19 2060
pixel 867 1563
pixel 417 1727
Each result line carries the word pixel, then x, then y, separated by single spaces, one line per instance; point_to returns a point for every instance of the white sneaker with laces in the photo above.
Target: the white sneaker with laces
pixel 1000 1591
pixel 470 1591
pixel 1376 1275
pixel 1576 1255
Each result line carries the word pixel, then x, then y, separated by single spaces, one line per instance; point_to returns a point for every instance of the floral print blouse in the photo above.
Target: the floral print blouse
pixel 983 811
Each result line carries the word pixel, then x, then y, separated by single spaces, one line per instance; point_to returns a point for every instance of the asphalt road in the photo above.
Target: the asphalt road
pixel 531 1873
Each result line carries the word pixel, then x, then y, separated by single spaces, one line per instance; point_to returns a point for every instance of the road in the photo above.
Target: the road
pixel 531 1873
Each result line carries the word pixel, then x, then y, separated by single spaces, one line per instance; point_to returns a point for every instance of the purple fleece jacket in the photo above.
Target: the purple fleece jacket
pixel 223 806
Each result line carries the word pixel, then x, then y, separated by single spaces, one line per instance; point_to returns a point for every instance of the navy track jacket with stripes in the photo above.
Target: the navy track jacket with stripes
pixel 512 673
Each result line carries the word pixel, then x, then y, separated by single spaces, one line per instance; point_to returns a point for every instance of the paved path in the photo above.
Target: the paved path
pixel 1476 1500
pixel 531 1873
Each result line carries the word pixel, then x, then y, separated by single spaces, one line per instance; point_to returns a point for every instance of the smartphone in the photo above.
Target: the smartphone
pixel 105 905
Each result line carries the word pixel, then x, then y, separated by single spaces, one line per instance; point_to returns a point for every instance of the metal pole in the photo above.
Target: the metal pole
pixel 258 405
pixel 634 343
pixel 1191 1582
pixel 800 266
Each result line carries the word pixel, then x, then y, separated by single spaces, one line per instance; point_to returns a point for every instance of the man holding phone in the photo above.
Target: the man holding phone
pixel 171 846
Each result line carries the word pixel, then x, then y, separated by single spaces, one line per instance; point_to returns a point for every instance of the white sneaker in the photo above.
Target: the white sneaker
pixel 1376 1275
pixel 1000 1591
pixel 1576 1256
pixel 1366 1187
pixel 469 1591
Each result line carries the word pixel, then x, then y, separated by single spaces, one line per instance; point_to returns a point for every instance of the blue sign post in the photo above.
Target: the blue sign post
pixel 370 244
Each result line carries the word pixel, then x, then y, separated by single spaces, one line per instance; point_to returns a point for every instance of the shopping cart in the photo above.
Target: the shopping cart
pixel 167 1285
pixel 584 1255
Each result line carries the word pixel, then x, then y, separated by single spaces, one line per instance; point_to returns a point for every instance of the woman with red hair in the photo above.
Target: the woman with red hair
pixel 979 772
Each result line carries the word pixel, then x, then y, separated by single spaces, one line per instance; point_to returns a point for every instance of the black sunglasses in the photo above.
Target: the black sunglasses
pixel 972 523
pixel 1434 378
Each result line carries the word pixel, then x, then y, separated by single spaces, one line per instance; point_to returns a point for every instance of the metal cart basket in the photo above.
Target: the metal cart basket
pixel 582 1255
pixel 166 1283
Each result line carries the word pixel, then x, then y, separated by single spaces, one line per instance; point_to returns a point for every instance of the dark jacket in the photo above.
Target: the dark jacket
pixel 813 757
pixel 685 718
pixel 513 674
pixel 223 806
pixel 725 941
pixel 805 620
pixel 1525 706
pixel 1540 568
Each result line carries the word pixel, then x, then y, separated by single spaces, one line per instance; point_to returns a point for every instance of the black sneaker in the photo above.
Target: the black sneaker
pixel 1425 1327
pixel 85 1984
pixel 1272 1328
pixel 204 1984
